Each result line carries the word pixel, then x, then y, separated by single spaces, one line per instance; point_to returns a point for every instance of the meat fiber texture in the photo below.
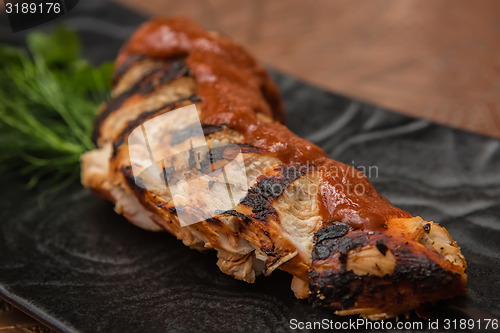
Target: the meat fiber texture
pixel 192 142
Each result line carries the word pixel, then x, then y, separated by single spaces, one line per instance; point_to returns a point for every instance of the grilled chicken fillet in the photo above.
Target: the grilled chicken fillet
pixel 347 247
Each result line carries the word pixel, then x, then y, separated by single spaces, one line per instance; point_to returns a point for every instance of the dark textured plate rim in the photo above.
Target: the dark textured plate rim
pixel 33 311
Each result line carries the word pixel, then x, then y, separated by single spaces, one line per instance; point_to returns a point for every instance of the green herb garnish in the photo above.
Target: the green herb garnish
pixel 48 101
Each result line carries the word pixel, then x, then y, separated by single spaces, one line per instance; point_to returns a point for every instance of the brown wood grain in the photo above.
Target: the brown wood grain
pixel 13 320
pixel 437 59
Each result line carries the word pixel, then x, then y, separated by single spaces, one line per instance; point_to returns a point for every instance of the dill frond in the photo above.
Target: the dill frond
pixel 48 100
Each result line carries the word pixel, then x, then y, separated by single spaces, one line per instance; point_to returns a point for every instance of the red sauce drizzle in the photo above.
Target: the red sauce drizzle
pixel 234 88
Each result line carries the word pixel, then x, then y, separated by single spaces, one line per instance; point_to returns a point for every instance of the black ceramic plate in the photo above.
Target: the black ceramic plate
pixel 78 266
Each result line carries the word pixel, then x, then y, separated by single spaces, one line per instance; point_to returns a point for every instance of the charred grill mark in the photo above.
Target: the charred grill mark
pixel 161 204
pixel 210 129
pixel 233 212
pixel 427 276
pixel 167 173
pixel 210 160
pixel 248 149
pixel 230 151
pixel 330 240
pixel 414 273
pixel 340 289
pixel 125 66
pixel 267 248
pixel 214 221
pixel 269 188
pixel 153 78
pixel 261 207
pixel 120 139
pixel 381 247
pixel 343 288
pixel 424 274
pixel 175 70
pixel 335 287
pixel 331 231
pixel 133 183
pixel 188 132
pixel 218 154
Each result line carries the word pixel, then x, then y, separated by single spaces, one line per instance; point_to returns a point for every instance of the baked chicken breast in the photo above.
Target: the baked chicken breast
pixel 347 247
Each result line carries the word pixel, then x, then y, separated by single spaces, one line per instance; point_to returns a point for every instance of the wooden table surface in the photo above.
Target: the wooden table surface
pixel 436 59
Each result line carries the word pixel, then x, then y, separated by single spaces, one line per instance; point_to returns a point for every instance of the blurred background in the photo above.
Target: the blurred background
pixel 437 59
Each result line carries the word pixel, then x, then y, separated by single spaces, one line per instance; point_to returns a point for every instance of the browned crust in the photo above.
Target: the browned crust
pixel 242 98
pixel 420 275
pixel 165 73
